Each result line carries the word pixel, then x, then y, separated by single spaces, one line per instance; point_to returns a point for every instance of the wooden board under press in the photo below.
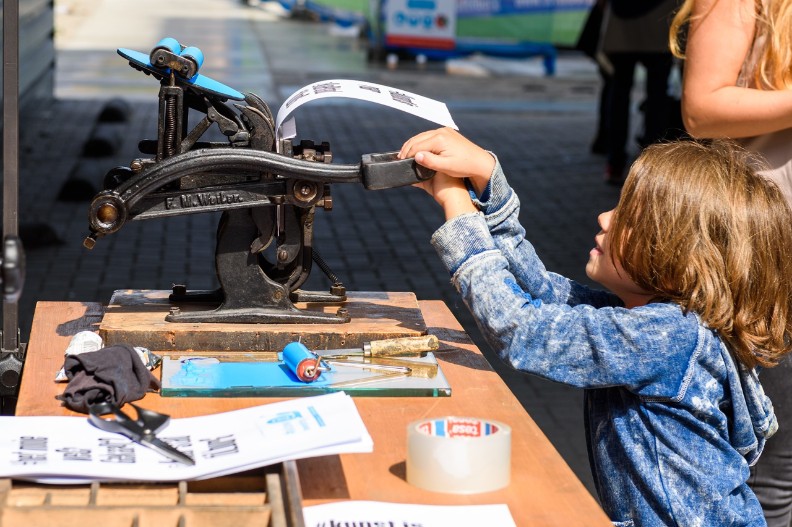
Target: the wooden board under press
pixel 137 317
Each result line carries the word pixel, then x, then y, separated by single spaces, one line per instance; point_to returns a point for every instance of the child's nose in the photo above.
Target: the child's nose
pixel 604 220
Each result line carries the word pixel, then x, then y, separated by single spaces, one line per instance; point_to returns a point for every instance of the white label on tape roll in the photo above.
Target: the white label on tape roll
pixel 460 455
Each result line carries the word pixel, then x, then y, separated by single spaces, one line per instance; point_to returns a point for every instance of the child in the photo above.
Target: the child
pixel 696 255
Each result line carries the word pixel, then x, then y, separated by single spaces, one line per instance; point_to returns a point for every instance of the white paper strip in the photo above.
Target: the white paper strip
pixel 402 100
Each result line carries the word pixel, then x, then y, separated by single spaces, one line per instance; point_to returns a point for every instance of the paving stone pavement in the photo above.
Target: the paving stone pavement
pixel 539 127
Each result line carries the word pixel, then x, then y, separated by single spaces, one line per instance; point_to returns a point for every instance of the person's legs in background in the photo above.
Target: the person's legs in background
pixel 656 117
pixel 771 477
pixel 600 143
pixel 619 115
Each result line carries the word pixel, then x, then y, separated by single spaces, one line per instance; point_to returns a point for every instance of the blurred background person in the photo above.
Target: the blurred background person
pixel 589 43
pixel 633 32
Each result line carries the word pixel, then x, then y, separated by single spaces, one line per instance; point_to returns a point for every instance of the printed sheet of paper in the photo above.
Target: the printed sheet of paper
pixel 71 449
pixel 402 100
pixel 400 514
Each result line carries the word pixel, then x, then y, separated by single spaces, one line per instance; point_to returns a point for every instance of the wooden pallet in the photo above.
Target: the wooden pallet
pixel 261 498
pixel 137 317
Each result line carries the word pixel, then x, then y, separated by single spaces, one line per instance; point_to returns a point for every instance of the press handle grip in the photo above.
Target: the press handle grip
pixel 381 171
pixel 401 347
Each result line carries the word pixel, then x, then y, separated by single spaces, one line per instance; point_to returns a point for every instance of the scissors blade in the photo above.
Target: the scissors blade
pixel 158 445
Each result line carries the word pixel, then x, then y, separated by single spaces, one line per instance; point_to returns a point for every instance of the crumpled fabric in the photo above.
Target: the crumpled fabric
pixel 114 374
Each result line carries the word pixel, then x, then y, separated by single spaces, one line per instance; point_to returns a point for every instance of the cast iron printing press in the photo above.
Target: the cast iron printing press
pixel 267 192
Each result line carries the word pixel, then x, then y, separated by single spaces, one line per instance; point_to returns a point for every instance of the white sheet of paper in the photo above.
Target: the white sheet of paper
pixel 60 449
pixel 402 100
pixel 401 514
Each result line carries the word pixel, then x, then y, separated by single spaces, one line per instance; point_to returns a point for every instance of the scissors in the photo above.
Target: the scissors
pixel 143 430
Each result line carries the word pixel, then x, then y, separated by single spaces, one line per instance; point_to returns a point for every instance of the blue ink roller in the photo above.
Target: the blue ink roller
pixel 170 54
pixel 194 54
pixel 169 43
pixel 301 362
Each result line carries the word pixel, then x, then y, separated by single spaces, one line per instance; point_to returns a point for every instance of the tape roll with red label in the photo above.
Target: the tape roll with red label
pixel 459 455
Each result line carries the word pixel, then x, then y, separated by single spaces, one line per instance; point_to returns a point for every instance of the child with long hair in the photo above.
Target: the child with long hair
pixel 695 258
pixel 737 83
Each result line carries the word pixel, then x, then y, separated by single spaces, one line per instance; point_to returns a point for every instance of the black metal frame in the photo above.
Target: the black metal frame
pixel 12 353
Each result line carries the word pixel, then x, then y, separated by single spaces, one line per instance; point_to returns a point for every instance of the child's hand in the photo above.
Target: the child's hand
pixel 450 193
pixel 446 150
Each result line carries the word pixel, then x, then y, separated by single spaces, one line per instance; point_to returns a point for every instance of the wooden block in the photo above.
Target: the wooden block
pixel 137 317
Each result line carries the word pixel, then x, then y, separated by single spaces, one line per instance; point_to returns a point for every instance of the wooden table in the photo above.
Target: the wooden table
pixel 543 491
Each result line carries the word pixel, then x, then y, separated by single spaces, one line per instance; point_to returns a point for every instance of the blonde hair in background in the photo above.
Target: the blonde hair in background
pixel 774 68
pixel 696 226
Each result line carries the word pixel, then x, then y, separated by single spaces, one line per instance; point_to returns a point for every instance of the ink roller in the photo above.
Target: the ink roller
pixel 302 362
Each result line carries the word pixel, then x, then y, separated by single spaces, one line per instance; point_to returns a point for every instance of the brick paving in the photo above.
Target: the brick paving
pixel 539 127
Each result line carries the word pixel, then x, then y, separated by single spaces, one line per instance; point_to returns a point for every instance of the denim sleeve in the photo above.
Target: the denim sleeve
pixel 538 323
pixel 501 206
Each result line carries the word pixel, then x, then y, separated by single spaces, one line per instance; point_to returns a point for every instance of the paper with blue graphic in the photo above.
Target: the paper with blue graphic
pixel 70 450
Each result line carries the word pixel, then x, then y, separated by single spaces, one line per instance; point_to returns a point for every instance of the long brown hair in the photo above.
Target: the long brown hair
pixel 774 68
pixel 695 225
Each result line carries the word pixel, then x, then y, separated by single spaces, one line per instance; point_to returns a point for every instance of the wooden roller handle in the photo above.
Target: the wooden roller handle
pixel 401 347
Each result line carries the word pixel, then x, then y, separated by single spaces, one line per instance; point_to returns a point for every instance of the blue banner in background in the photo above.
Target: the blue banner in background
pixel 473 8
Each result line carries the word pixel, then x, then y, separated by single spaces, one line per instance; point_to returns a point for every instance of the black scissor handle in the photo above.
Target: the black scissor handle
pixel 147 423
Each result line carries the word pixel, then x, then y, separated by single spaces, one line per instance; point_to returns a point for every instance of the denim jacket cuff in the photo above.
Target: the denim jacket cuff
pixel 495 195
pixel 460 238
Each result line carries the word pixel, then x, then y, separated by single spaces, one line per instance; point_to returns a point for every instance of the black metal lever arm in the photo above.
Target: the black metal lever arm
pixel 110 209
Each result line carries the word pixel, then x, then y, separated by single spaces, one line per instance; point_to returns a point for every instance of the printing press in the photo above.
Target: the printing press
pixel 267 190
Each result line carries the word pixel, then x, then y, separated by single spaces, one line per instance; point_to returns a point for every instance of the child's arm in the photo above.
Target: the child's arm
pixel 645 349
pixel 538 321
pixel 485 188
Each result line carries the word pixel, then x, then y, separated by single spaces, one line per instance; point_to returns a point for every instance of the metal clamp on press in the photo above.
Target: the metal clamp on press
pixel 264 241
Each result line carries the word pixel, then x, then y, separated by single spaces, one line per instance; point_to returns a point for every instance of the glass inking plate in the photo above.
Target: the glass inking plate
pixel 190 376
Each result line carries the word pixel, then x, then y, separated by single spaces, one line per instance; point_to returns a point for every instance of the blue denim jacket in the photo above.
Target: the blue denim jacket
pixel 672 421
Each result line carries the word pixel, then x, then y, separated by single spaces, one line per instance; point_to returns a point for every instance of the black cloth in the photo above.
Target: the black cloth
pixel 114 374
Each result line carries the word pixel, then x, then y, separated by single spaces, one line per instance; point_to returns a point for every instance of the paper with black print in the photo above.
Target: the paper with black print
pixel 71 450
pixel 412 103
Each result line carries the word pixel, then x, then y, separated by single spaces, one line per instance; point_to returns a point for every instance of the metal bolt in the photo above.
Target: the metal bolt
pixel 107 213
pixel 175 310
pixel 136 165
pixel 342 312
pixel 283 255
pixel 304 191
pixel 89 242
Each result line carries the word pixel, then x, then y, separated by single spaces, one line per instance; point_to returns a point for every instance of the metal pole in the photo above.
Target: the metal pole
pixel 10 153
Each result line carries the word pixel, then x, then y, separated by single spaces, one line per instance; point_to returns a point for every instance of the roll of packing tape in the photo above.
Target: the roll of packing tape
pixel 459 455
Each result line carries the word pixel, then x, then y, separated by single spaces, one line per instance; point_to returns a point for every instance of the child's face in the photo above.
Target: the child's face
pixel 601 268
